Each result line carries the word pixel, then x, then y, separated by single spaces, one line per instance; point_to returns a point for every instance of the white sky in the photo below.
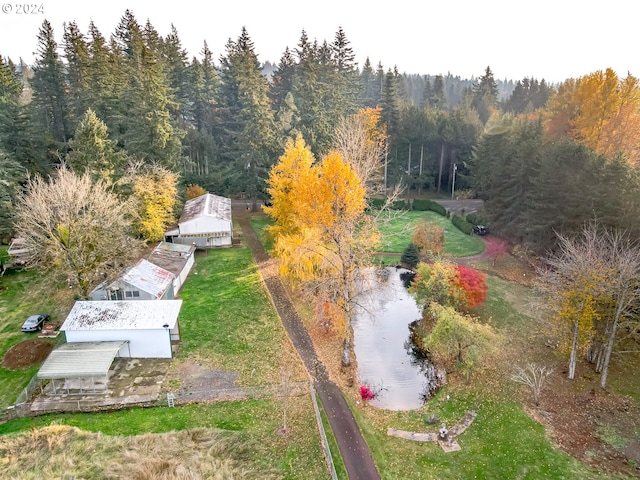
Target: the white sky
pixel 550 39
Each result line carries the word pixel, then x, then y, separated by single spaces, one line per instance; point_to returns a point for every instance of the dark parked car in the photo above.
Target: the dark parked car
pixel 34 322
pixel 480 230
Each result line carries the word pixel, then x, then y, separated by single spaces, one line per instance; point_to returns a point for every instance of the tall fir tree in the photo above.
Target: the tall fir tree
pixel 50 89
pixel 250 139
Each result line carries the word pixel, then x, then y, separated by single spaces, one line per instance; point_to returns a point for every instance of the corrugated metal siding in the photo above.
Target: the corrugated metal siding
pixel 80 360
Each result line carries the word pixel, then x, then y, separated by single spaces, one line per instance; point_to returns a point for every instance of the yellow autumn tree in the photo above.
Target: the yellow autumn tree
pixel 574 292
pixel 600 111
pixel 155 189
pixel 195 191
pixel 322 233
pixel 289 173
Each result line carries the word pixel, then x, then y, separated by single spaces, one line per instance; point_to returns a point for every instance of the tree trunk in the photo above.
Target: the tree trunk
pixel 611 340
pixel 574 352
pixel 420 181
pixel 440 167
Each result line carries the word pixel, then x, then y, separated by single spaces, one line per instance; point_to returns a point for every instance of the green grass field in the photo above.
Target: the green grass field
pixel 19 299
pixel 227 318
pixel 227 321
pixel 397 228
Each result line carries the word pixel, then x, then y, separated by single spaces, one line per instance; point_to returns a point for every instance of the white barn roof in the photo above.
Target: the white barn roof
pixel 207 205
pixel 123 315
pixel 171 256
pixel 149 278
pixel 80 360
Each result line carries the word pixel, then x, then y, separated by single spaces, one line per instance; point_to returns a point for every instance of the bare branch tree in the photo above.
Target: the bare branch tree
pixel 74 228
pixel 532 375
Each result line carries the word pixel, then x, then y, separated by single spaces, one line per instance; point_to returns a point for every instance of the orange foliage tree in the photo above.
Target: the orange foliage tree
pixel 195 191
pixel 599 110
pixel 321 234
pixel 429 238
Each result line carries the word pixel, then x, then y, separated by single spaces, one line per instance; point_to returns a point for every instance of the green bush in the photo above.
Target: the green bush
pixel 475 219
pixel 411 256
pixel 462 224
pixel 376 203
pixel 399 205
pixel 423 205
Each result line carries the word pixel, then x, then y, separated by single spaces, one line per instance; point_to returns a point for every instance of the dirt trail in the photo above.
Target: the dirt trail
pixel 353 448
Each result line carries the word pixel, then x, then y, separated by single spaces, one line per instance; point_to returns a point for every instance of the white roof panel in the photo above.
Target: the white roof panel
pixel 80 360
pixel 206 205
pixel 122 315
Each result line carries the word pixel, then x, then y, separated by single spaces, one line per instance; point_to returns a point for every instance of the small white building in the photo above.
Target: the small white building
pixel 143 281
pixel 149 328
pixel 205 222
pixel 175 258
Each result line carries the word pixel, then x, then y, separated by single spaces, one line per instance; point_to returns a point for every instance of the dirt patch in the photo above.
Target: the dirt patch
pixel 26 354
pixel 592 425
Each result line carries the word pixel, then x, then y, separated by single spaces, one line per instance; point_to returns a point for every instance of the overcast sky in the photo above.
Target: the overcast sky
pixel 550 39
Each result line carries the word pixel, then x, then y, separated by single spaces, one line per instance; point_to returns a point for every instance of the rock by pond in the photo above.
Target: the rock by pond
pixel 387 363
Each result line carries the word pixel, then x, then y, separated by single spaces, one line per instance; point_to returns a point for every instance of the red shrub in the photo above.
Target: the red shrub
pixel 366 393
pixel 473 282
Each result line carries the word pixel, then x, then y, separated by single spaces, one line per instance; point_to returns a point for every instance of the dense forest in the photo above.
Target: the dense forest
pixel 543 156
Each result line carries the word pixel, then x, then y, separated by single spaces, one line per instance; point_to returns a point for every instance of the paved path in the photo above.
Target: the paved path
pixel 353 448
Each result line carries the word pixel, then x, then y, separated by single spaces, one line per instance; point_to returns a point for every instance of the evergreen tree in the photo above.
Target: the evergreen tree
pixel 76 50
pixel 411 256
pixel 93 151
pixel 371 95
pixel 309 93
pixel 250 139
pixel 282 79
pixel 200 142
pixel 49 89
pixel 485 95
pixel 105 79
pixel 10 90
pixel 11 176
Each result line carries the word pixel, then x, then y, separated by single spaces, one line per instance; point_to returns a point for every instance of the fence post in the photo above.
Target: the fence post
pixel 323 435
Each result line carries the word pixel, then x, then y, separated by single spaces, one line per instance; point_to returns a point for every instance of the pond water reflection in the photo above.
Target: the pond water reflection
pixel 383 348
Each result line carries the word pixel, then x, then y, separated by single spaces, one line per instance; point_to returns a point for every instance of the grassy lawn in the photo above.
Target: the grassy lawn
pixel 397 229
pixel 295 456
pixel 502 442
pixel 20 298
pixel 259 223
pixel 227 320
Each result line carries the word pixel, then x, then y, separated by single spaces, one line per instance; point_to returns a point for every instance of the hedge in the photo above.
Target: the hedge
pixel 474 219
pixel 424 205
pixel 462 224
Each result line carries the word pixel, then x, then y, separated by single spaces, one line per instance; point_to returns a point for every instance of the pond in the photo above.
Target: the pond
pixel 382 345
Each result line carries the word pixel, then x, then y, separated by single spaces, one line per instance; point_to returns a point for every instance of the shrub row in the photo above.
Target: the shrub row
pixel 462 224
pixel 424 205
pixel 475 219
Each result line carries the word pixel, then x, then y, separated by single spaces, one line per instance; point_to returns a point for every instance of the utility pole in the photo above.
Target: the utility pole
pixel 453 184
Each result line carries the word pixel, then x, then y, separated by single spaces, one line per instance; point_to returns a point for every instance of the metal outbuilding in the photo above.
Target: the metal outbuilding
pixel 82 360
pixel 205 222
pixel 150 327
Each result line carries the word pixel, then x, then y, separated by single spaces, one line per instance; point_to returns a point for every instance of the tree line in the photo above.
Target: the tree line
pixel 99 103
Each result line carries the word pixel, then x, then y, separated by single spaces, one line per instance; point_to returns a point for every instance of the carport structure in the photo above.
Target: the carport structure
pixel 79 363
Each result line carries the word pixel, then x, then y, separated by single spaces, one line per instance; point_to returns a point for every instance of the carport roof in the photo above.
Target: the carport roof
pixel 80 360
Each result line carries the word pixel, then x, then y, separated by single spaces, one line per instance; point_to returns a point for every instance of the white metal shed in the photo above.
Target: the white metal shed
pixel 205 221
pixel 149 327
